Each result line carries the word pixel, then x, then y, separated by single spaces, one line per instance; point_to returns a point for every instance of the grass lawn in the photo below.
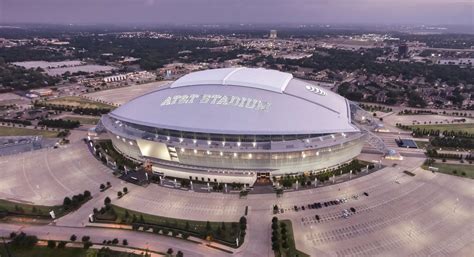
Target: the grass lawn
pixel 422 144
pixel 39 251
pixel 16 131
pixel 465 127
pixel 28 209
pixel 448 168
pixel 291 251
pixel 82 120
pixel 228 234
pixel 76 101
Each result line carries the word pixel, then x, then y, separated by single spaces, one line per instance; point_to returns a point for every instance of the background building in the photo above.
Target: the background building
pixel 273 34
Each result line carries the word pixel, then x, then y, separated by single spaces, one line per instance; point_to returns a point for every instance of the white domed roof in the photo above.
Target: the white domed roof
pixel 241 101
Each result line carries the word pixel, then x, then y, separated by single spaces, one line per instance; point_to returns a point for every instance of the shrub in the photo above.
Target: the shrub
pixel 23 241
pixel 61 244
pixel 51 244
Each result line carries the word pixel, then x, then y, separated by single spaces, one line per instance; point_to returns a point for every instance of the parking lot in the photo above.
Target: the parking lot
pixel 121 95
pixel 385 213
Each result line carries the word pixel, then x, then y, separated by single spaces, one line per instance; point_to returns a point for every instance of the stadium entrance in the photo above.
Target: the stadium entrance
pixel 263 178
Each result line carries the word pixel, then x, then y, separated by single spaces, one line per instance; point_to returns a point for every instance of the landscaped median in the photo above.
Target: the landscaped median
pixel 283 241
pixel 225 233
pixel 460 170
pixel 18 209
pixel 23 245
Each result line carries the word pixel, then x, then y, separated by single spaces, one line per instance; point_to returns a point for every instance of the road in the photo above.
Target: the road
pixel 98 235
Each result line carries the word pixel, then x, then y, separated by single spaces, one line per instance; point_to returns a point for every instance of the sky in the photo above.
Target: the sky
pixel 384 12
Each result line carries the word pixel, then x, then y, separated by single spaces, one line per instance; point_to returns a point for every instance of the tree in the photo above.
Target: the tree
pixel 275 246
pixel 73 238
pixel 108 184
pixel 208 226
pixel 274 226
pixel 85 239
pixel 87 245
pixel 170 251
pixel 87 194
pixel 107 201
pixel 119 194
pixel 125 190
pixel 124 242
pixel 24 241
pixel 115 241
pixel 61 244
pixel 274 220
pixel 179 254
pixel 67 201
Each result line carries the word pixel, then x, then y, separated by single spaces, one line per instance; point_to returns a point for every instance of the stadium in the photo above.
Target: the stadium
pixel 237 125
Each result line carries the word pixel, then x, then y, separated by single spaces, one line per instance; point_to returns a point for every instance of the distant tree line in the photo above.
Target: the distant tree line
pixel 455 142
pixel 18 78
pixel 59 123
pixel 77 110
pixel 22 122
pixel 365 59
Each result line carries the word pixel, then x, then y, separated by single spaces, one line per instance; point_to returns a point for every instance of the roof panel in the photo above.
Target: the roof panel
pixel 270 80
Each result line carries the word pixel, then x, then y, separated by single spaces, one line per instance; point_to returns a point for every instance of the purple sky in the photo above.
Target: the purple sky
pixel 238 11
